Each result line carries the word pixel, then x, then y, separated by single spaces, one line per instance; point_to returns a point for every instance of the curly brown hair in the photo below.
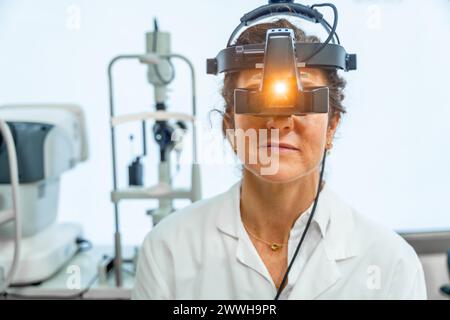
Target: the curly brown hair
pixel 257 34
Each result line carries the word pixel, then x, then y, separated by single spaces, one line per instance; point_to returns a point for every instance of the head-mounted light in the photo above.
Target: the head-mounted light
pixel 281 91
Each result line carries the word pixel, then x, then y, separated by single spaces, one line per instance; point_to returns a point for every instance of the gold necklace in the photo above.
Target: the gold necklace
pixel 273 245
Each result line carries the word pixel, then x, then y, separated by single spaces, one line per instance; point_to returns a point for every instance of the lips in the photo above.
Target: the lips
pixel 281 146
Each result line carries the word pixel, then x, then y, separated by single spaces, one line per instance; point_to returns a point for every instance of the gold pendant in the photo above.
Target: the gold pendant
pixel 275 246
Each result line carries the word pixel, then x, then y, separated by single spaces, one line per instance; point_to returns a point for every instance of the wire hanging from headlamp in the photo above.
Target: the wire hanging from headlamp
pixel 332 32
pixel 280 289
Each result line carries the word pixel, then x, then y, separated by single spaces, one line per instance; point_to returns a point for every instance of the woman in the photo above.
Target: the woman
pixel 238 245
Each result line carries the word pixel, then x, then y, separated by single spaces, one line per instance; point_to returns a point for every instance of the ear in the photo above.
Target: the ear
pixel 332 126
pixel 228 129
pixel 228 121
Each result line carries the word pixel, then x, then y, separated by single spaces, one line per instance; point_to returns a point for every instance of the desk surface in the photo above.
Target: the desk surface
pixel 78 279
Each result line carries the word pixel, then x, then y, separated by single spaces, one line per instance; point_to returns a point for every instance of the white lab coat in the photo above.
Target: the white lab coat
pixel 203 252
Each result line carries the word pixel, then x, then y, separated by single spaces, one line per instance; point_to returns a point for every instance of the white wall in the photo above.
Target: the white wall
pixel 390 160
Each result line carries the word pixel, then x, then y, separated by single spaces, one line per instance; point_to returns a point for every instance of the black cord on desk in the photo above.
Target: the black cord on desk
pixel 83 244
pixel 78 295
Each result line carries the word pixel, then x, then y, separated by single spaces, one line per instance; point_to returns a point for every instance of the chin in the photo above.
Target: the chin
pixel 284 174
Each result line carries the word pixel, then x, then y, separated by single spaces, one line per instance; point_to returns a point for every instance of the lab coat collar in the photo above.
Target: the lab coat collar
pixel 228 219
pixel 335 220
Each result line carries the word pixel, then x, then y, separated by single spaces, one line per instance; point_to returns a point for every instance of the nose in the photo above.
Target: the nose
pixel 282 123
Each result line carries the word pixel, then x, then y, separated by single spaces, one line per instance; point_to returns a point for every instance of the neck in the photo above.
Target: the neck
pixel 270 210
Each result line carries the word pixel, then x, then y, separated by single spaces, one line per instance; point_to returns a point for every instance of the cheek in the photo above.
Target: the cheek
pixel 311 132
pixel 247 130
pixel 308 132
pixel 247 122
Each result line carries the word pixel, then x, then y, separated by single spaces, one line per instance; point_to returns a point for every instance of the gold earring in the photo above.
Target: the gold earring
pixel 329 146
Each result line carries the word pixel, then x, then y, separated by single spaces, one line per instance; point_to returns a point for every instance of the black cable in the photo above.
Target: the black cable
pixel 77 295
pixel 83 244
pixel 144 138
pixel 280 289
pixel 333 29
pixel 335 33
pixel 445 289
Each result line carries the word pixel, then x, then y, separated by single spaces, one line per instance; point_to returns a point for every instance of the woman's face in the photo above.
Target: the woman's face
pixel 285 147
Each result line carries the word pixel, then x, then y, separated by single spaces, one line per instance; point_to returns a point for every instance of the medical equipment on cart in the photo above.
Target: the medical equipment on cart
pixel 49 140
pixel 167 130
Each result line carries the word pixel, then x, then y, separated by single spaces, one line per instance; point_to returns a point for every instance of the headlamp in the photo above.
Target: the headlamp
pixel 281 58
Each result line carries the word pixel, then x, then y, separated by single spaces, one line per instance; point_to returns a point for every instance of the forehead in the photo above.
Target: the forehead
pixel 309 76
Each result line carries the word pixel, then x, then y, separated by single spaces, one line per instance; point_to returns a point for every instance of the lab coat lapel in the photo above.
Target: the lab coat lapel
pixel 319 273
pixel 321 270
pixel 247 255
pixel 229 222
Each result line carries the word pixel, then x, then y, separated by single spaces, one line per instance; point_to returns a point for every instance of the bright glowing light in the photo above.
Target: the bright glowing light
pixel 280 87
